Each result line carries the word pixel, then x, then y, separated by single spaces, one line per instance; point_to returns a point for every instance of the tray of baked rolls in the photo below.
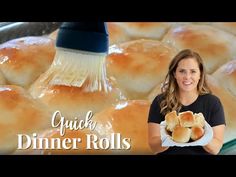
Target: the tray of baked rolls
pixel 138 58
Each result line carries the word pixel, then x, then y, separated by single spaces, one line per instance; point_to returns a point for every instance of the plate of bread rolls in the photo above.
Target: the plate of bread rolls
pixel 185 129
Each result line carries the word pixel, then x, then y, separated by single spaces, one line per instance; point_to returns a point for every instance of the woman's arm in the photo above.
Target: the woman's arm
pixel 217 142
pixel 154 138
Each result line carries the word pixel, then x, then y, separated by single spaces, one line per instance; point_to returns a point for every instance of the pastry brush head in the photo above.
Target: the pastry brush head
pixel 80 56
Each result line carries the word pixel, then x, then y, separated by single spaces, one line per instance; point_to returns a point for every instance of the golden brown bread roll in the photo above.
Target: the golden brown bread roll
pixel 73 101
pixel 53 35
pixel 172 121
pixel 135 63
pixel 2 79
pixel 186 119
pixel 228 101
pixel 226 26
pixel 22 60
pixel 154 92
pixel 116 33
pixel 181 134
pixel 196 132
pixel 130 120
pixel 20 114
pixel 216 47
pixel 145 30
pixel 226 75
pixel 199 119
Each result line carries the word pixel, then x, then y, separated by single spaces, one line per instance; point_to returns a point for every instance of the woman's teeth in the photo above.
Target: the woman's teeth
pixel 187 83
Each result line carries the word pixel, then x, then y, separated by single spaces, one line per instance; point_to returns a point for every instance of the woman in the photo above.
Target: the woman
pixel 185 89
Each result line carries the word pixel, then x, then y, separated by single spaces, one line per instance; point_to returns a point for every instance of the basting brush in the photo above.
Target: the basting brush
pixel 81 49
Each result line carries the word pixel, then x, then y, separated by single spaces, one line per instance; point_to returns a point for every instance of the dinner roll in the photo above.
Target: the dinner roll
pixel 22 60
pixel 53 35
pixel 228 101
pixel 2 79
pixel 226 75
pixel 73 101
pixel 154 92
pixel 172 120
pixel 20 114
pixel 145 30
pixel 181 134
pixel 128 118
pixel 138 66
pixel 226 26
pixel 215 46
pixel 186 119
pixel 196 132
pixel 199 119
pixel 116 33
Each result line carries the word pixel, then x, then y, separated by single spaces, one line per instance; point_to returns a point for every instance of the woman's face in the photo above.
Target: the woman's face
pixel 187 75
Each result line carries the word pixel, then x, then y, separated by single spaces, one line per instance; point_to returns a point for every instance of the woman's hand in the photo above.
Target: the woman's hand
pixel 154 138
pixel 214 146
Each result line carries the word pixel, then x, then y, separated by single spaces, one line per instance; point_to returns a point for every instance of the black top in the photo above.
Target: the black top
pixel 209 105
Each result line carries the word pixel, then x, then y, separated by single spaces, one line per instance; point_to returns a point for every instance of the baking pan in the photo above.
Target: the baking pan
pixel 13 30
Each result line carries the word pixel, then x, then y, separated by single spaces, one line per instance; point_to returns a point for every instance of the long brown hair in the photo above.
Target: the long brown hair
pixel 170 87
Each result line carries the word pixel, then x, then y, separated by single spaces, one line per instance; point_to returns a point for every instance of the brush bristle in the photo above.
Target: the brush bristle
pixel 79 69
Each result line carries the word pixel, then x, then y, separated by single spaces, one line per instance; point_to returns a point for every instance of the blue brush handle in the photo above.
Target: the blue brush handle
pixel 84 36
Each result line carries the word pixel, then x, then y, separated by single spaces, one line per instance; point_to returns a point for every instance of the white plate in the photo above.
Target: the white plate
pixel 204 140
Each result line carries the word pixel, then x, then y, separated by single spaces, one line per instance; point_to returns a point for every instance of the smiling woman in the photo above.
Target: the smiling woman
pixel 187 76
pixel 185 89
